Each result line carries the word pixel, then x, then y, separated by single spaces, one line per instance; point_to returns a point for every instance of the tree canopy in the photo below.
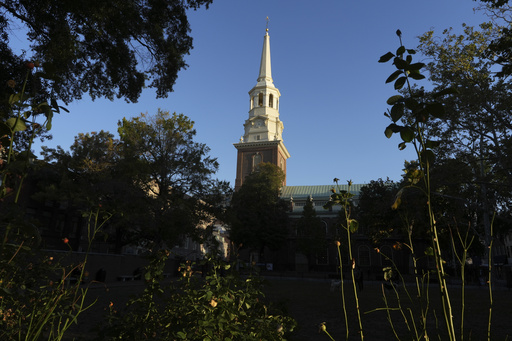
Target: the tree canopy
pixel 259 215
pixel 103 48
pixel 475 129
pixel 161 157
pixel 156 179
pixel 311 231
pixel 499 48
pixel 374 212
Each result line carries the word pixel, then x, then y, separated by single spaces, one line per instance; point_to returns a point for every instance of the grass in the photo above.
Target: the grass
pixel 312 302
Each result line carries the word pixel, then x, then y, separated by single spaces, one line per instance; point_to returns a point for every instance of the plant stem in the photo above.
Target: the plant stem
pixel 343 292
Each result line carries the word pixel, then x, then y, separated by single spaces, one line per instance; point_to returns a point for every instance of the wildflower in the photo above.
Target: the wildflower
pixel 213 303
pixel 111 304
pixel 338 243
pixel 65 240
pixel 322 327
pixel 377 249
pixel 11 83
pixel 397 246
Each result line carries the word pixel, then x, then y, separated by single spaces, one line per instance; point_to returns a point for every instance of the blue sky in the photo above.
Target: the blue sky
pixel 324 62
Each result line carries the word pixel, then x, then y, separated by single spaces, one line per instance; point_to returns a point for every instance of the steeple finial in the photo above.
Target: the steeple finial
pixel 266 29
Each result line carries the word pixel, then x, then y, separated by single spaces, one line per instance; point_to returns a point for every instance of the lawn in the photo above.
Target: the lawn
pixel 312 302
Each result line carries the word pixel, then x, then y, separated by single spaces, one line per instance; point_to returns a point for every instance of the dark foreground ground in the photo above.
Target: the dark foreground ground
pixel 312 302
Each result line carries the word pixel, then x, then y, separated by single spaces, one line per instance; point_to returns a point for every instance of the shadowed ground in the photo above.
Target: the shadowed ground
pixel 311 302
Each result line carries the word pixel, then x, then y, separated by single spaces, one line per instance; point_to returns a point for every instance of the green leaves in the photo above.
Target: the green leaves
pixel 400 82
pixel 386 58
pixel 407 134
pixel 394 99
pixel 16 124
pixel 413 109
pixel 447 91
pixel 216 307
pixel 353 225
pixel 393 76
pixel 388 273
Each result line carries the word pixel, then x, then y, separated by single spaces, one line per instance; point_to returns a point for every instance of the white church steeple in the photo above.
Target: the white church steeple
pixel 262 140
pixel 263 123
pixel 265 76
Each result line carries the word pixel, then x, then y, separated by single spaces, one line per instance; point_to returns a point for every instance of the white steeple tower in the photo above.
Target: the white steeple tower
pixel 262 138
pixel 263 123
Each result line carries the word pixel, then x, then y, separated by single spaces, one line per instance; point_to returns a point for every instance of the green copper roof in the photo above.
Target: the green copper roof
pixel 319 191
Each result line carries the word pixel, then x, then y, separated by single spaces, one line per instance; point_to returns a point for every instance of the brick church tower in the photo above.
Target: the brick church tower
pixel 262 140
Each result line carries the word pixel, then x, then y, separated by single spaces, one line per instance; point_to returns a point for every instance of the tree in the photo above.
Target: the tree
pixel 375 215
pixel 87 177
pixel 105 49
pixel 311 231
pixel 499 48
pixel 155 180
pixel 259 215
pixel 476 128
pixel 161 158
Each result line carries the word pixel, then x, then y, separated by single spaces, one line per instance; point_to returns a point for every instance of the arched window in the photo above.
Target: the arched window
pixel 260 100
pixel 256 160
pixel 271 101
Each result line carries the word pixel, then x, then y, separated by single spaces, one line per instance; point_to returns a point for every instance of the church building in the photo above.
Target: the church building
pixel 262 141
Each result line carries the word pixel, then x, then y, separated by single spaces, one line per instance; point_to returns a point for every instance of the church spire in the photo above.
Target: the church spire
pixel 265 76
pixel 262 140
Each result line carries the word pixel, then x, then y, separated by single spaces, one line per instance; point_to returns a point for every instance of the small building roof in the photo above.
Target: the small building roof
pixel 319 191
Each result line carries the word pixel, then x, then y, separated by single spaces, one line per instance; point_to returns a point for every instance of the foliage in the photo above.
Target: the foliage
pixel 474 166
pixel 415 111
pixel 89 176
pixel 374 209
pixel 220 305
pixel 160 157
pixel 37 298
pixel 155 178
pixel 101 48
pixel 499 47
pixel 311 233
pixel 259 217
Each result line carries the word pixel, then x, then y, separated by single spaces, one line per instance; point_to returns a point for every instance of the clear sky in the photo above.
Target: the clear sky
pixel 324 62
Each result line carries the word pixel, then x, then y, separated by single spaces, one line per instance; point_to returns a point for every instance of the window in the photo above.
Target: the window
pixel 260 100
pixel 271 101
pixel 256 160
